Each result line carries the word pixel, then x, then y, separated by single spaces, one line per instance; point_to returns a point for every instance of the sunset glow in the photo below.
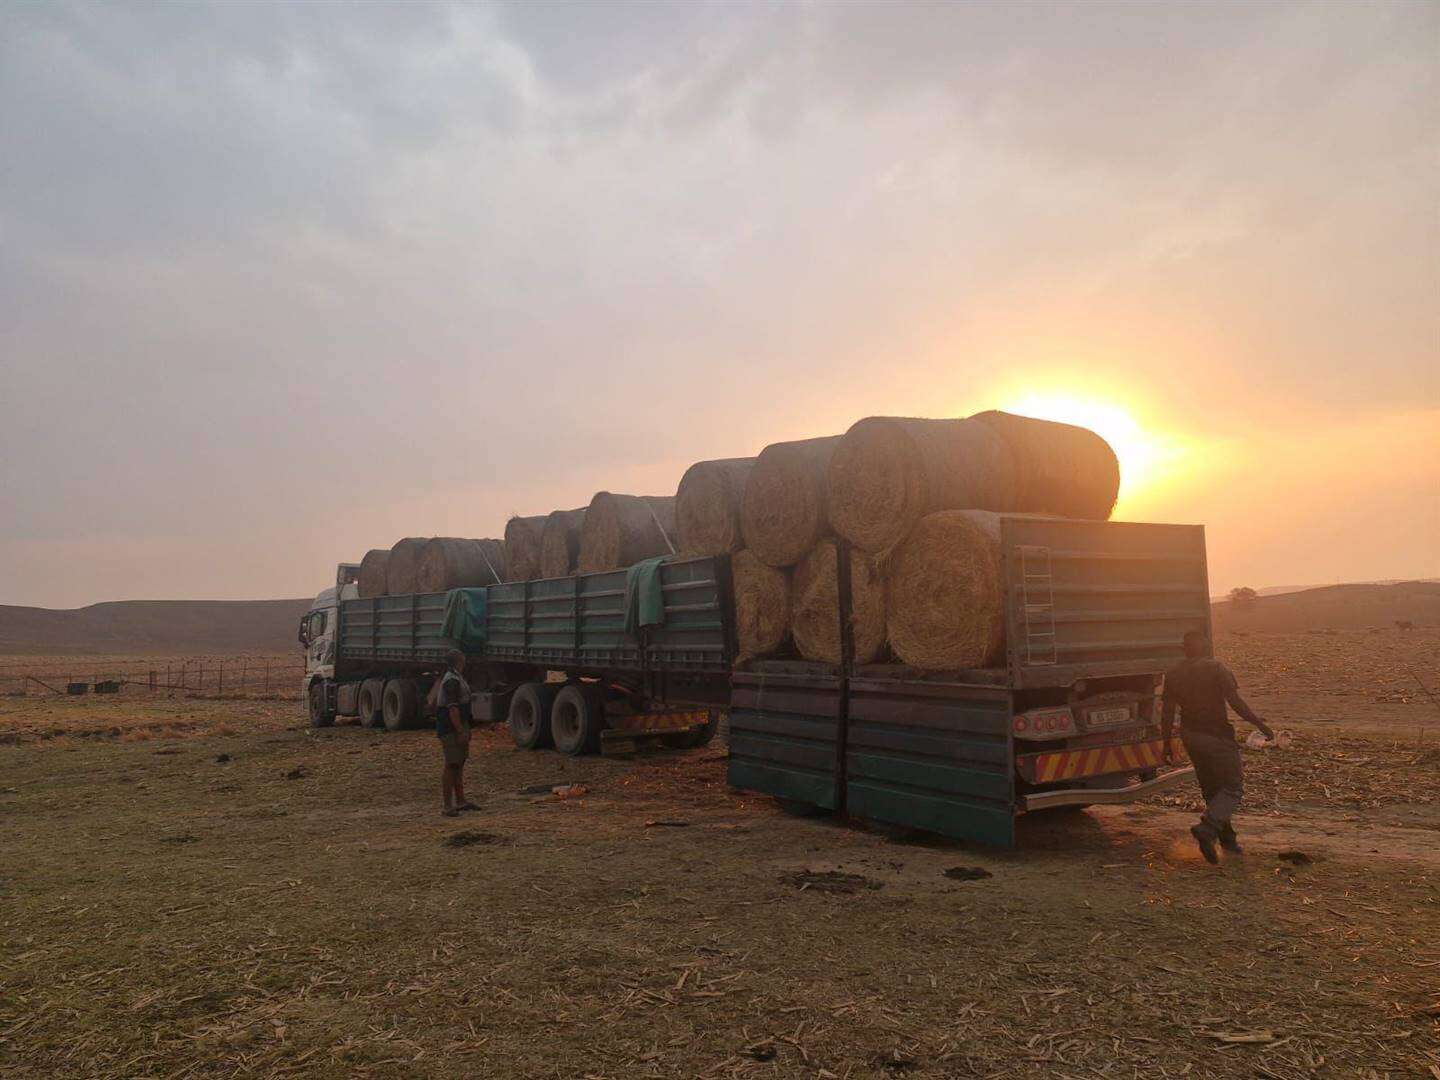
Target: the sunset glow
pixel 1146 455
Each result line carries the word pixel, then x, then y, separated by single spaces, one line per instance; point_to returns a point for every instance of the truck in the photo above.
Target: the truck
pixel 1094 614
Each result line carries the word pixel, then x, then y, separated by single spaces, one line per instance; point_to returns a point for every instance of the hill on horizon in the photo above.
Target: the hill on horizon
pixel 180 626
pixel 154 626
pixel 1334 607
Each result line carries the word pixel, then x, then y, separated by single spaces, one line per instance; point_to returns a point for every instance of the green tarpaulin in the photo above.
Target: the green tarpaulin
pixel 644 596
pixel 465 616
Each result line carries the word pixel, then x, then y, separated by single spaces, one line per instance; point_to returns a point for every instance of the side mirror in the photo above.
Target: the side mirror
pixel 304 635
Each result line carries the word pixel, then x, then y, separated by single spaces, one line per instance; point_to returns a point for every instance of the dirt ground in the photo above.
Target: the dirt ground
pixel 208 887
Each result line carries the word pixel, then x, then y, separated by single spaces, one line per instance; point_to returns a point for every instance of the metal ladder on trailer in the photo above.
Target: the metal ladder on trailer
pixel 1037 605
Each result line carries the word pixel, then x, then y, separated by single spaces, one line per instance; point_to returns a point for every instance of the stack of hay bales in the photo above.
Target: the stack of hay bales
pixel 917 500
pixel 373 580
pixel 783 513
pixel 522 547
pixel 707 506
pixel 560 542
pixel 621 530
pixel 401 567
pixel 449 562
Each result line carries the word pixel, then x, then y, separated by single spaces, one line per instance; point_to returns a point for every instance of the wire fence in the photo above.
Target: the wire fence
pixel 203 676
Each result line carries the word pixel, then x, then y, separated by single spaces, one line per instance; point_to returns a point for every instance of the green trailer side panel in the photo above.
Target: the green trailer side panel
pixel 1091 598
pixel 936 757
pixel 695 633
pixel 404 628
pixel 782 736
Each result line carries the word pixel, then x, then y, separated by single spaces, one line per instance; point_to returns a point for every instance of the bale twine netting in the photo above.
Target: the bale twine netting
pixel 815 605
pixel 372 580
pixel 401 567
pixel 448 562
pixel 762 606
pixel 522 547
pixel 944 600
pixel 621 530
pixel 888 472
pixel 707 506
pixel 782 514
pixel 1060 468
pixel 560 542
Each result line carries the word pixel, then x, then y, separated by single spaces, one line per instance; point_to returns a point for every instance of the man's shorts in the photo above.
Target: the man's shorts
pixel 456 748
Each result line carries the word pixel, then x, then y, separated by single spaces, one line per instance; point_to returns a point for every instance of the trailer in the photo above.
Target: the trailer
pixel 1094 614
pixel 554 656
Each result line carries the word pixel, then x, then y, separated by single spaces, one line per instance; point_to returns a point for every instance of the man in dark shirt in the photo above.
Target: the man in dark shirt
pixel 1201 687
pixel 452 728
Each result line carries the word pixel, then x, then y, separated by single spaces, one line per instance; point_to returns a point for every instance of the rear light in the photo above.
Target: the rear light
pixel 1044 724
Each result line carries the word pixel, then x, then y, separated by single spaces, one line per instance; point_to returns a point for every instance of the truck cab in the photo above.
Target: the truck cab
pixel 319 630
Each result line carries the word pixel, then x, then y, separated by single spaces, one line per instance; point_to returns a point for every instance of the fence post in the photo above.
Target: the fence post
pixel 220 685
pixel 244 670
pixel 267 676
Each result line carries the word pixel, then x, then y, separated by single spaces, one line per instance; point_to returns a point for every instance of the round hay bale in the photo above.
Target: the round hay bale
pixel 560 543
pixel 707 506
pixel 762 606
pixel 621 530
pixel 782 514
pixel 1060 468
pixel 450 562
pixel 400 568
pixel 372 579
pixel 815 605
pixel 944 606
pixel 890 471
pixel 522 547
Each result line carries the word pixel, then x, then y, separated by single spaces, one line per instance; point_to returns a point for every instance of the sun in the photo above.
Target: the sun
pixel 1143 452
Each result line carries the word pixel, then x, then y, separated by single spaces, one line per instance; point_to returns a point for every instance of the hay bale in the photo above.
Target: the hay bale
pixel 944 595
pixel 783 515
pixel 522 547
pixel 400 568
pixel 1060 468
pixel 707 506
pixel 621 530
pixel 451 562
pixel 560 542
pixel 762 606
pixel 890 471
pixel 815 605
pixel 372 579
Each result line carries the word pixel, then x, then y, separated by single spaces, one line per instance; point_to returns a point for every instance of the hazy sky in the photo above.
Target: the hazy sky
pixel 282 283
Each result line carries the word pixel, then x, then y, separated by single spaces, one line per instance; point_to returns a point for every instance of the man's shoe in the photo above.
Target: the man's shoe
pixel 467 806
pixel 1206 842
pixel 1229 842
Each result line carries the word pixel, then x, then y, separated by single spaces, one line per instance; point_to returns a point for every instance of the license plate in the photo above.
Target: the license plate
pixel 1107 717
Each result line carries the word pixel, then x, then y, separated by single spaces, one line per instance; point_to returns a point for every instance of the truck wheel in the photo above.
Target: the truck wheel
pixel 530 715
pixel 576 719
pixel 400 704
pixel 372 697
pixel 317 706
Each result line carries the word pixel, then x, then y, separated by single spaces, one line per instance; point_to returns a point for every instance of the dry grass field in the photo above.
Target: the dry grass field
pixel 209 888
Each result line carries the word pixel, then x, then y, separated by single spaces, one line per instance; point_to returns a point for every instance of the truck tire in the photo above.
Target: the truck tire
pixel 576 719
pixel 400 705
pixel 530 715
pixel 372 698
pixel 318 706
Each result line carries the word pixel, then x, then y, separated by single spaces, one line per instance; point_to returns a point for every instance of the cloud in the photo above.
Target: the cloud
pixel 302 278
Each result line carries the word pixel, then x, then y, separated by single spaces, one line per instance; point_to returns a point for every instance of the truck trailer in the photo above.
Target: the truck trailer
pixel 1094 614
